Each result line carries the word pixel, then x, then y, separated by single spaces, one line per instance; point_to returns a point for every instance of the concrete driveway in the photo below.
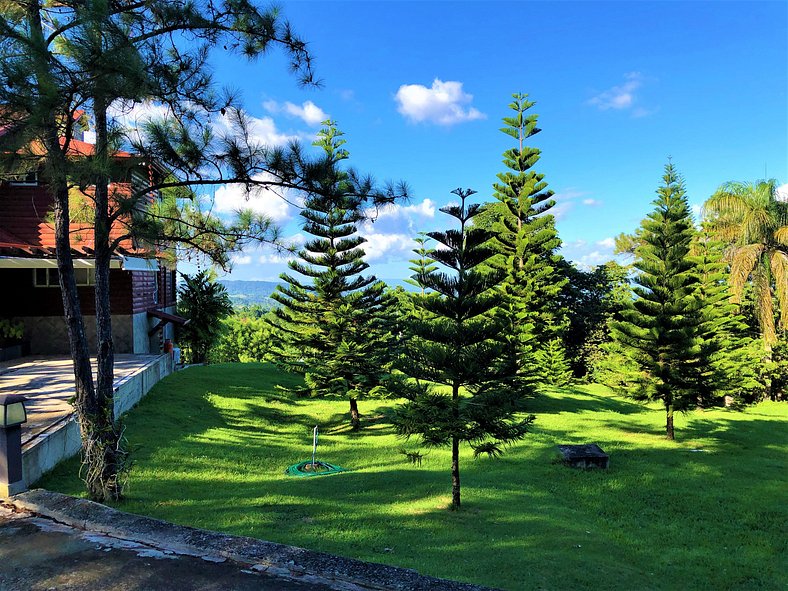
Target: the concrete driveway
pixel 53 541
pixel 38 554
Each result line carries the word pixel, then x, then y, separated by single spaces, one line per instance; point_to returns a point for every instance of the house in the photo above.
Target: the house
pixel 142 280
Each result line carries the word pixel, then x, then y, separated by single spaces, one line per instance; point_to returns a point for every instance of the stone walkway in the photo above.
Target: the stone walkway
pixel 48 382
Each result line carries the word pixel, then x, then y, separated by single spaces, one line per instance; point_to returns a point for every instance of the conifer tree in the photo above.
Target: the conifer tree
pixel 553 364
pixel 659 330
pixel 725 364
pixel 456 344
pixel 333 321
pixel 526 239
pixel 423 265
pixel 61 59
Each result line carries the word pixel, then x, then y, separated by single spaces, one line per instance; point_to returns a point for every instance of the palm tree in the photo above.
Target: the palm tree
pixel 751 219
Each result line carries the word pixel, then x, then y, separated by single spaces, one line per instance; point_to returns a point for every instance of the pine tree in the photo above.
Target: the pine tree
pixel 659 329
pixel 526 238
pixel 423 265
pixel 57 61
pixel 333 321
pixel 456 344
pixel 553 363
pixel 725 364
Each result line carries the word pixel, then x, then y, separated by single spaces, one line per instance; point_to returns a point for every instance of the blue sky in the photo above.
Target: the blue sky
pixel 419 88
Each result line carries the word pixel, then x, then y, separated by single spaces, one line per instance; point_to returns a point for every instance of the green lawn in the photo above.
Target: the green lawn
pixel 212 444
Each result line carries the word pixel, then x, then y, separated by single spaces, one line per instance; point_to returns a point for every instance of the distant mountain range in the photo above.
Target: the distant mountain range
pixel 249 293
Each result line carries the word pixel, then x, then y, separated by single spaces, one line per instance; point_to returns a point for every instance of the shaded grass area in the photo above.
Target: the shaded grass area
pixel 212 444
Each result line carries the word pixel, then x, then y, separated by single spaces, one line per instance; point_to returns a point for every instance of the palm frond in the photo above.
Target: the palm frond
pixel 764 307
pixel 779 265
pixel 781 235
pixel 744 260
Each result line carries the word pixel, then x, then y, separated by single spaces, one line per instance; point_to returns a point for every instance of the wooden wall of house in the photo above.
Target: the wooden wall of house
pixel 144 291
pixel 26 212
pixel 19 297
pixel 131 292
pixel 153 290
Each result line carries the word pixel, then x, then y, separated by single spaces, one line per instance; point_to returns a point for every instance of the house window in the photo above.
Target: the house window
pixel 25 179
pixel 51 277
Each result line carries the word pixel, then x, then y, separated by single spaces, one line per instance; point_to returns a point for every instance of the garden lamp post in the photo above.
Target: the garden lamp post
pixel 12 415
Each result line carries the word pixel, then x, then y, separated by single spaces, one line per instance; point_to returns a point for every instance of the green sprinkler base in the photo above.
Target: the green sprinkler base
pixel 318 468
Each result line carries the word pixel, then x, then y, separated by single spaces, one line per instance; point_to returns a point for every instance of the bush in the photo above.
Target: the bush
pixel 205 303
pixel 246 337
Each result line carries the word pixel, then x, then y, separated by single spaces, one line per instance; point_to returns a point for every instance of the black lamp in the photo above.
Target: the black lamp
pixel 12 416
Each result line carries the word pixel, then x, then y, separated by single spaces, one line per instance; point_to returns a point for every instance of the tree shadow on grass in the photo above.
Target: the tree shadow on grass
pixel 516 528
pixel 577 399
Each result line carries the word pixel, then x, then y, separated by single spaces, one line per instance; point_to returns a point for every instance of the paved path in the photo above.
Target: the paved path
pixel 48 382
pixel 38 554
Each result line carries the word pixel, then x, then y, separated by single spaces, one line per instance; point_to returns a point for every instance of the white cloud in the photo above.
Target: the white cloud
pixel 782 193
pixel 697 211
pixel 380 246
pixel 565 201
pixel 133 113
pixel 587 255
pixel 425 209
pixel 241 259
pixel 591 202
pixel 307 111
pixel 594 258
pixel 264 131
pixel 609 242
pixel 444 103
pixel 269 201
pixel 621 97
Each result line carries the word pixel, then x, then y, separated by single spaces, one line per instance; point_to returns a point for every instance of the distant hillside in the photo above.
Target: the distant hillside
pixel 247 293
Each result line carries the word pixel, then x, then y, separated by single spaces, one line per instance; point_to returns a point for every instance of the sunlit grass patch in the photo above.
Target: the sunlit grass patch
pixel 213 444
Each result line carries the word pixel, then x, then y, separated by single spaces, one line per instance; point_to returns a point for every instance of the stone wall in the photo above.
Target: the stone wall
pixel 62 440
pixel 48 335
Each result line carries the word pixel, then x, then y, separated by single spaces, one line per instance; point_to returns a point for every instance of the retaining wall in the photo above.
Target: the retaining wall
pixel 62 439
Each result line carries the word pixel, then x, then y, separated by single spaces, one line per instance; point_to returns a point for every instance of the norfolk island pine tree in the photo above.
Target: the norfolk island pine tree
pixel 659 329
pixel 456 343
pixel 526 241
pixel 333 327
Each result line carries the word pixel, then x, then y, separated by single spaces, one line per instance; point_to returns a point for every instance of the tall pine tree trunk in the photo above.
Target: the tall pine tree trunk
pixel 84 399
pixel 88 407
pixel 455 473
pixel 104 456
pixel 455 453
pixel 669 433
pixel 355 421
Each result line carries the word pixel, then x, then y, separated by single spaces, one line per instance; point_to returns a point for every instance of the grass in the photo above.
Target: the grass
pixel 212 445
